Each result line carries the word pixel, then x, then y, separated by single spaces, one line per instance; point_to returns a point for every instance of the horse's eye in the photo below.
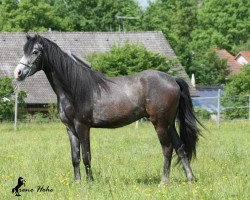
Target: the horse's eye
pixel 35 52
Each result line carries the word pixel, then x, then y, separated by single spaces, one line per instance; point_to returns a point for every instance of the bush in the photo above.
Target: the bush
pixel 7 101
pixel 36 118
pixel 53 112
pixel 202 113
pixel 236 94
pixel 125 59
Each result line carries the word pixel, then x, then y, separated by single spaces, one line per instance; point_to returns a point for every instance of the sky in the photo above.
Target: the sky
pixel 143 3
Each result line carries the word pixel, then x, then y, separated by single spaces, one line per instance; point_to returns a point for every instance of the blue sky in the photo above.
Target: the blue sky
pixel 143 3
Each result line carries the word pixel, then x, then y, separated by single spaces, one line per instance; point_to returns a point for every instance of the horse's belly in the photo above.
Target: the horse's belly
pixel 116 116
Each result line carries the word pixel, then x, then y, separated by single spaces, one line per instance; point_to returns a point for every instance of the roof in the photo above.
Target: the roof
pixel 234 66
pixel 245 54
pixel 81 44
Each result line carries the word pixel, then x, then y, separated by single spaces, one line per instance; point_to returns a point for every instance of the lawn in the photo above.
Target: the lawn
pixel 126 162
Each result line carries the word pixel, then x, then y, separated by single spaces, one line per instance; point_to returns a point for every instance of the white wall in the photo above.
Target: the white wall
pixel 240 59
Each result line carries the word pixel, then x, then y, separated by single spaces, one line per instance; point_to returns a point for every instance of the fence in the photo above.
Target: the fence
pixel 221 109
pixel 212 104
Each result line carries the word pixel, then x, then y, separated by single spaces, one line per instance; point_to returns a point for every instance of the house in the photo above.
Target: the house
pixel 39 91
pixel 243 57
pixel 233 65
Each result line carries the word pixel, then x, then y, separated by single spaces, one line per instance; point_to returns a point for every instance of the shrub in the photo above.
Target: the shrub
pixel 53 112
pixel 202 113
pixel 125 59
pixel 36 118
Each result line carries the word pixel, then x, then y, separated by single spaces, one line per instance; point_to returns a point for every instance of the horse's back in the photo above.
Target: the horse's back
pixel 133 97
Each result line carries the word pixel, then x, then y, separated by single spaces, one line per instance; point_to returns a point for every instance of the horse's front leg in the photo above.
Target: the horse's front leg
pixel 83 132
pixel 75 152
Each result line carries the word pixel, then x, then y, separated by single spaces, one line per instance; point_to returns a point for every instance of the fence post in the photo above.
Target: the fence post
pixel 16 105
pixel 218 108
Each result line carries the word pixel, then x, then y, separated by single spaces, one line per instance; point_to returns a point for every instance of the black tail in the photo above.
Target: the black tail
pixel 187 121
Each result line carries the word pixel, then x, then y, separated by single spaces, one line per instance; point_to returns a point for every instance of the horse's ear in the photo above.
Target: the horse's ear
pixel 28 36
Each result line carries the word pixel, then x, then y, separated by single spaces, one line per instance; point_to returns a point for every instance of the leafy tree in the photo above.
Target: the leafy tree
pixel 96 15
pixel 177 19
pixel 209 69
pixel 7 8
pixel 236 92
pixel 224 24
pixel 28 15
pixel 7 102
pixel 243 46
pixel 127 59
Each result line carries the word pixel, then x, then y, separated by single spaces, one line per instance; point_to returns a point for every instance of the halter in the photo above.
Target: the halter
pixel 30 66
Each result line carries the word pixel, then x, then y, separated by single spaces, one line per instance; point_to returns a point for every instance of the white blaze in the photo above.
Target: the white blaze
pixel 20 67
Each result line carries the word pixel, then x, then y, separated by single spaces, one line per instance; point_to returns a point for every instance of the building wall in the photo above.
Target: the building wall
pixel 241 60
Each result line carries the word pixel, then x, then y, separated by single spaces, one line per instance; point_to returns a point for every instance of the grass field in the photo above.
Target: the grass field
pixel 126 162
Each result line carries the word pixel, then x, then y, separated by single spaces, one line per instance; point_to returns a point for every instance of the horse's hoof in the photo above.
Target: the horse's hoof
pixel 192 180
pixel 78 181
pixel 90 179
pixel 164 182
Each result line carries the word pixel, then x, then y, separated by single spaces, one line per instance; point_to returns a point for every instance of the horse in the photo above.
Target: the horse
pixel 87 98
pixel 20 182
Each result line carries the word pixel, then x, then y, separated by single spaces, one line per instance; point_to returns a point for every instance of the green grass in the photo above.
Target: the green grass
pixel 126 162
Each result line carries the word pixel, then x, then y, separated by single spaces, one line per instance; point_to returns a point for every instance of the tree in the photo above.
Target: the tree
pixel 7 8
pixel 209 69
pixel 96 15
pixel 28 15
pixel 128 58
pixel 235 95
pixel 177 19
pixel 224 24
pixel 243 46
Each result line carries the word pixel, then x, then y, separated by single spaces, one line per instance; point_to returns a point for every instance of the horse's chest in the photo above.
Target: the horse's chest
pixel 66 112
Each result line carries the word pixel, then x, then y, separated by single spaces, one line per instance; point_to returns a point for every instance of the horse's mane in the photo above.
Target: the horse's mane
pixel 76 77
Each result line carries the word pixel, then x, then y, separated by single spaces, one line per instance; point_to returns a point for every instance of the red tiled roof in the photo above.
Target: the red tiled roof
pixel 245 54
pixel 234 66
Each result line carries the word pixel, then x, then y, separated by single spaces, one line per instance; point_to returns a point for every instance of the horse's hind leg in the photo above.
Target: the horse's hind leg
pixel 179 148
pixel 75 152
pixel 167 150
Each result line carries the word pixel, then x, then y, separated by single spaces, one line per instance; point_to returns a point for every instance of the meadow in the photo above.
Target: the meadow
pixel 127 164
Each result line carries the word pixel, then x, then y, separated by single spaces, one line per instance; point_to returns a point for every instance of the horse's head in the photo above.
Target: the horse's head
pixel 31 61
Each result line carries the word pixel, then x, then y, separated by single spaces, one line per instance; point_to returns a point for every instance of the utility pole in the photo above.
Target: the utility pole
pixel 122 18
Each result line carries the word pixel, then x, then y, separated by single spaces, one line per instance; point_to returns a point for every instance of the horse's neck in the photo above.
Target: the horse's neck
pixel 55 83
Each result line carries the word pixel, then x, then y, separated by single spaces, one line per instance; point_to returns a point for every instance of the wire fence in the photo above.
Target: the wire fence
pixel 223 108
pixel 218 107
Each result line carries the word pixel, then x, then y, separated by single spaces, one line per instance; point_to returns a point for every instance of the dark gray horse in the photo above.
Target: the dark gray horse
pixel 88 99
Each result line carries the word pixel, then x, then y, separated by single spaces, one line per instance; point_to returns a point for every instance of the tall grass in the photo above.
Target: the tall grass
pixel 126 162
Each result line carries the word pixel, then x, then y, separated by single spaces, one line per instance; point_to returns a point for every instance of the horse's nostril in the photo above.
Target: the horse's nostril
pixel 19 72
